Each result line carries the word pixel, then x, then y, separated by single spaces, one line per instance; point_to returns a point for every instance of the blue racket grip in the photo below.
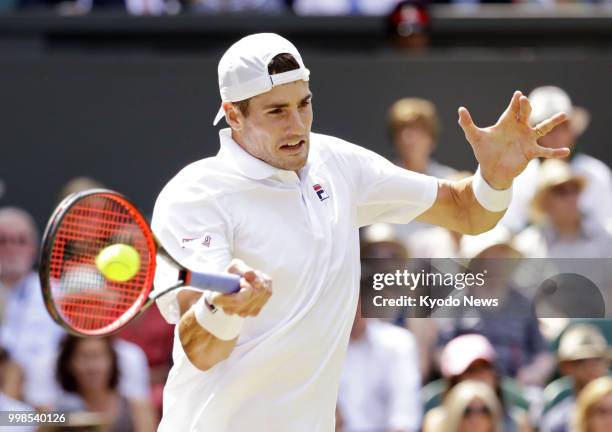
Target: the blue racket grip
pixel 225 283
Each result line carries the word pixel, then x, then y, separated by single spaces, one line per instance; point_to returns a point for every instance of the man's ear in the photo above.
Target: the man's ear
pixel 232 116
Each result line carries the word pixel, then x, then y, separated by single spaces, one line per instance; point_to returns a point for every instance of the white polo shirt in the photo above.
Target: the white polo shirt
pixel 302 231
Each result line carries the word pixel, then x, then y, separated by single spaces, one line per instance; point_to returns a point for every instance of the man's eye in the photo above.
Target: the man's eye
pixel 305 103
pixel 276 111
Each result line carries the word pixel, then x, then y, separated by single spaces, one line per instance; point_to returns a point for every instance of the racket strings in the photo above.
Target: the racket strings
pixel 84 298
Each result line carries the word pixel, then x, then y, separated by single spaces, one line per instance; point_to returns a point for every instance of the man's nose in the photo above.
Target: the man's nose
pixel 295 123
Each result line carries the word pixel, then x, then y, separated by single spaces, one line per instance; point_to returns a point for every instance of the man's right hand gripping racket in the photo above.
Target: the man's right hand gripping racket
pixel 77 294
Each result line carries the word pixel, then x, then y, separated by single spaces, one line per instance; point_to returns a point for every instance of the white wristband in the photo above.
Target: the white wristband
pixel 492 199
pixel 215 321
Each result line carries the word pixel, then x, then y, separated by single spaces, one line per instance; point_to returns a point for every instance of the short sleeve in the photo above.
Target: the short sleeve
pixel 194 231
pixel 385 192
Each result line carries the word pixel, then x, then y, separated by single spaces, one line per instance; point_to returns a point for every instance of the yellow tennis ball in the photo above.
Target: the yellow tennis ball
pixel 118 262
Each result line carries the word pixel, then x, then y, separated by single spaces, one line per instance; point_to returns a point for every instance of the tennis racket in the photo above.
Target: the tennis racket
pixel 76 293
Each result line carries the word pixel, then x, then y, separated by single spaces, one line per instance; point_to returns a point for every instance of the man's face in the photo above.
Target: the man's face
pixel 561 136
pixel 17 248
pixel 277 126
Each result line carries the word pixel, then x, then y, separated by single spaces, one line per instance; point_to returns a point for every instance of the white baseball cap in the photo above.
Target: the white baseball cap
pixel 243 69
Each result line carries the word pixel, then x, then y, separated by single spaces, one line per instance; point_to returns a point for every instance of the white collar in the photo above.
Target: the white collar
pixel 248 164
pixel 245 162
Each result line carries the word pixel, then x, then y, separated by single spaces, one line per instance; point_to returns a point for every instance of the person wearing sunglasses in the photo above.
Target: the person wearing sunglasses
pixel 560 228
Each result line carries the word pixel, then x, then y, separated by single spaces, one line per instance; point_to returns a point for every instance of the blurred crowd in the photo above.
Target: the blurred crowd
pixel 299 7
pixel 526 365
pixel 492 372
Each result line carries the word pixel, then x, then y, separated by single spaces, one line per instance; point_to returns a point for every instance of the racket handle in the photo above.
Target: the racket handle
pixel 221 282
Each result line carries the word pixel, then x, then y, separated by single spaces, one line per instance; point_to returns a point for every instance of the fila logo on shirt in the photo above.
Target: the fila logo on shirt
pixel 320 192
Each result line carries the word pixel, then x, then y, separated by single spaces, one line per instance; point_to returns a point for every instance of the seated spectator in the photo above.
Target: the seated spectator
pixel 134 379
pixel 414 127
pixel 88 372
pixel 561 230
pixel 594 407
pixel 379 388
pixel 471 406
pixel 26 330
pixel 472 357
pixel 344 7
pixel 512 327
pixel 583 357
pixel 596 200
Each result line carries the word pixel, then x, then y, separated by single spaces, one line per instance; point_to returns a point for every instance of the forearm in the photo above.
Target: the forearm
pixel 203 349
pixel 477 218
pixel 209 331
pixel 457 209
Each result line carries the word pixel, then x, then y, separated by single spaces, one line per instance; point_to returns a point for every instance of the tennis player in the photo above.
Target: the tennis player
pixel 281 205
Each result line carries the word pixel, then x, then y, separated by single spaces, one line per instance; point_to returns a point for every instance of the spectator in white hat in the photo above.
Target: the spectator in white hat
pixel 583 356
pixel 596 199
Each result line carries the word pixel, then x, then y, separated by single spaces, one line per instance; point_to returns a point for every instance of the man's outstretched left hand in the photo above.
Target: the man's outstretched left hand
pixel 504 149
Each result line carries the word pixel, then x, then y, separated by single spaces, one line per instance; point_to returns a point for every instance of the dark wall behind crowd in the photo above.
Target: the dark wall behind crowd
pixel 133 121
